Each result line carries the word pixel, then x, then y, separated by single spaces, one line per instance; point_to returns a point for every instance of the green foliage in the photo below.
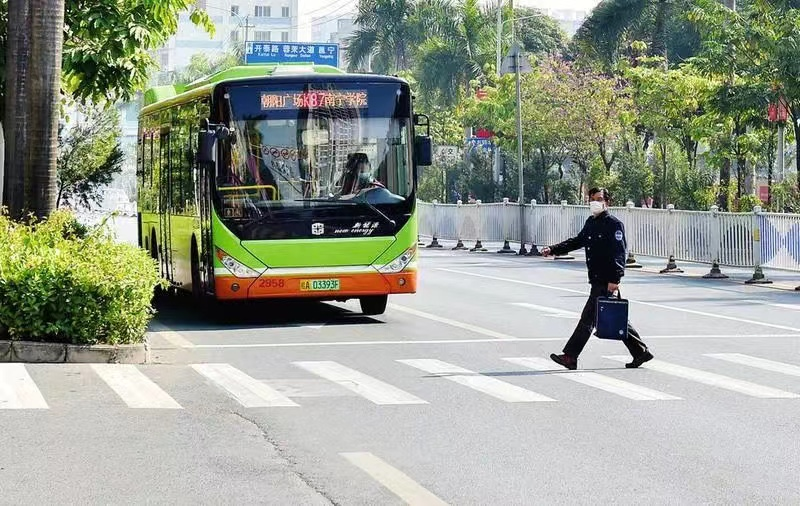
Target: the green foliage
pixel 631 180
pixel 539 34
pixel 748 202
pixel 200 65
pixel 785 196
pixel 431 185
pixel 615 28
pixel 108 43
pixel 89 156
pixel 62 282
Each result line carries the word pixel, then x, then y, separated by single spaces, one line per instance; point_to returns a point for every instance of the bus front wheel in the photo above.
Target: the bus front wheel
pixel 374 305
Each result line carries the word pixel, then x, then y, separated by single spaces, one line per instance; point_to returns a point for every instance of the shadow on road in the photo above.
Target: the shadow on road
pixel 180 312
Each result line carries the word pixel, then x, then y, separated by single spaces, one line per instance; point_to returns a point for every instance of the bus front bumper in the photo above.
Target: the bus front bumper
pixel 316 286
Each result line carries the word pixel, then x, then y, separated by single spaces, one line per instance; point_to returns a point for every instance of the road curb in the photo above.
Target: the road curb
pixel 57 353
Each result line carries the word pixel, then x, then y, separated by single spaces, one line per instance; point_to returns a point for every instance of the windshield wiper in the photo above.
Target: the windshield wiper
pixel 358 203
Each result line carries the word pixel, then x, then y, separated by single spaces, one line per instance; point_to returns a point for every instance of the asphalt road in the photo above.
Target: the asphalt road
pixel 448 398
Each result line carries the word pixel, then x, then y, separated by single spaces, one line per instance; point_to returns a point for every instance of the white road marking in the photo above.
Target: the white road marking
pixel 170 336
pixel 714 380
pixel 550 311
pixel 393 479
pixel 133 387
pixel 307 388
pixel 485 384
pixel 760 363
pixel 592 379
pixel 366 386
pixel 513 340
pixel 17 389
pixel 249 392
pixel 452 323
pixel 792 307
pixel 651 304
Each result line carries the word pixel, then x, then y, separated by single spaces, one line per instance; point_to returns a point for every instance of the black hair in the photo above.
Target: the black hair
pixel 605 192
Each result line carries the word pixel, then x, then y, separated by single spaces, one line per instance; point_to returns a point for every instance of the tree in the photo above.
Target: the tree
pixel 387 30
pixel 539 34
pixel 200 65
pixel 462 52
pixel 105 57
pixel 89 156
pixel 613 25
pixel 753 50
pixel 107 43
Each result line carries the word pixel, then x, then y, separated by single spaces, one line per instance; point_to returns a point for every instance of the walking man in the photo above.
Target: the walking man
pixel 603 236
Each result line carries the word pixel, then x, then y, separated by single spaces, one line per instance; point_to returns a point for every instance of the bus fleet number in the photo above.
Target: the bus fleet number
pixel 272 283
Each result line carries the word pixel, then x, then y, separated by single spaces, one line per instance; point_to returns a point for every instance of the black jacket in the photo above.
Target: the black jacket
pixel 604 239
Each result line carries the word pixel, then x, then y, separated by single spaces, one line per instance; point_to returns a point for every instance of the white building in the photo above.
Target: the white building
pixel 235 21
pixel 569 20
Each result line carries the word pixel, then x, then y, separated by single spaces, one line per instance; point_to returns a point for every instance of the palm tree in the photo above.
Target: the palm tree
pixel 461 51
pixel 385 34
pixel 32 104
pixel 614 24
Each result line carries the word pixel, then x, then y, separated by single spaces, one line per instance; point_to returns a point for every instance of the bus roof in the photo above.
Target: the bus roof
pixel 158 95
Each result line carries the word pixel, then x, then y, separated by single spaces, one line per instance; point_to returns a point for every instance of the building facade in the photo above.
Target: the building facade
pixel 235 21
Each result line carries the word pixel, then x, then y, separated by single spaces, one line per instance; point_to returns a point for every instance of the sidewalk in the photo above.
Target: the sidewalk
pixel 782 280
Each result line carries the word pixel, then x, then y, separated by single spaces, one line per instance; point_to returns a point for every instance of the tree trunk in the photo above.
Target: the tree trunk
pixel 15 120
pixel 47 22
pixel 32 105
pixel 659 46
pixel 724 183
pixel 795 119
pixel 2 158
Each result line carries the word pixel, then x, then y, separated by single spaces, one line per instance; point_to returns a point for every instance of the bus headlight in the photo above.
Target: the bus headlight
pixel 401 262
pixel 235 267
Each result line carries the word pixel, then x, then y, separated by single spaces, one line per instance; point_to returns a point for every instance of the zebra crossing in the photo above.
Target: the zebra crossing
pixel 136 390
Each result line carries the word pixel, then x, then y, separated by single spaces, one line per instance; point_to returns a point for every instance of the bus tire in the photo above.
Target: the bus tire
pixel 197 288
pixel 374 304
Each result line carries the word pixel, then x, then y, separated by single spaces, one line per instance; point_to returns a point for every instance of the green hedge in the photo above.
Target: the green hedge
pixel 61 281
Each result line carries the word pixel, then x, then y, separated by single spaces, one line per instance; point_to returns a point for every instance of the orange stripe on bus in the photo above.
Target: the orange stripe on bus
pixel 350 285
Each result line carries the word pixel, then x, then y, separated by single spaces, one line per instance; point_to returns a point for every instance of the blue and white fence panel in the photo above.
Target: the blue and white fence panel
pixel 734 239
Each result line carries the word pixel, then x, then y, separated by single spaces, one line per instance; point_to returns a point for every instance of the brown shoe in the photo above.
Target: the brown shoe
pixel 565 360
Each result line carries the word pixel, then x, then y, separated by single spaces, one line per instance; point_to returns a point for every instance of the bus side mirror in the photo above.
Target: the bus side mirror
pixel 206 147
pixel 424 151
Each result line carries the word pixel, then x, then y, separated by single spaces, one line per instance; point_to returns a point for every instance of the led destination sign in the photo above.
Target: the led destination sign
pixel 351 99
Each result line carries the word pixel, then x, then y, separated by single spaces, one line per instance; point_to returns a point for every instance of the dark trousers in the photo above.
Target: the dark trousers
pixel 583 331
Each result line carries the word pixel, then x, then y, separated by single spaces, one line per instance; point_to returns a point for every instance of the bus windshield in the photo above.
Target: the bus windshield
pixel 320 145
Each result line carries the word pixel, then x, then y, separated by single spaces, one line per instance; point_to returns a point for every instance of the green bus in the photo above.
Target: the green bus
pixel 282 181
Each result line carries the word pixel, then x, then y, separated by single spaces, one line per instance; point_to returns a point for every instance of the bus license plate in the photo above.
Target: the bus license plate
pixel 319 285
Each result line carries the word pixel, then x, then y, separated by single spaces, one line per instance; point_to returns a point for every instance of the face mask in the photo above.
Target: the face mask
pixel 596 207
pixel 364 177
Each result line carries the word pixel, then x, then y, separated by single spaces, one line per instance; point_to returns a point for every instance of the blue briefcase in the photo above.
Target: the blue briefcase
pixel 611 318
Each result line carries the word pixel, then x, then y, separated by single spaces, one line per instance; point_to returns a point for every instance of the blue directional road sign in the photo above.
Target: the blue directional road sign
pixel 291 52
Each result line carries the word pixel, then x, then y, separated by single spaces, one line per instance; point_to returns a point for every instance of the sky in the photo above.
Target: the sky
pixel 335 8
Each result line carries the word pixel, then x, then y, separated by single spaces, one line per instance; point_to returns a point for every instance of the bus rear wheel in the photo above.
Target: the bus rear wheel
pixel 374 305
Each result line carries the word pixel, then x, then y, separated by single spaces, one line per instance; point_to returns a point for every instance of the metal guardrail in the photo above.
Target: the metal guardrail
pixel 754 239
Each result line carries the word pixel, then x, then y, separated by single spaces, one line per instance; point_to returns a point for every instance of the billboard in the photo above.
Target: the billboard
pixel 291 52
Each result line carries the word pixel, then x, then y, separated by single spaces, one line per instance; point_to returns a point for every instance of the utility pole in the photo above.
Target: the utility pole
pixel 517 56
pixel 499 39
